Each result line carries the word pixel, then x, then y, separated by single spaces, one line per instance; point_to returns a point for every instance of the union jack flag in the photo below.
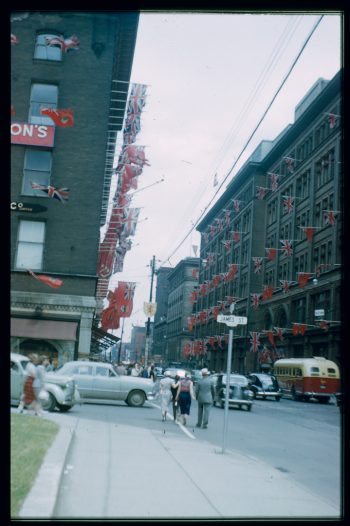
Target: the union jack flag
pixel 270 337
pixel 288 204
pixel 65 44
pixel 236 204
pixel 287 247
pixel 62 194
pixel 134 154
pixel 235 235
pixel 213 229
pixel 232 271
pixel 137 98
pixel 227 244
pixel 271 253
pixel 193 297
pixel 279 333
pixel 210 258
pixel 274 181
pixel 329 217
pixel 285 285
pixel 216 280
pixel 130 221
pixel 332 120
pixel 254 341
pixel 255 300
pixel 257 265
pixel 290 164
pixel 260 192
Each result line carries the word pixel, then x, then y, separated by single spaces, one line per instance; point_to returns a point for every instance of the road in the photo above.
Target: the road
pixel 301 439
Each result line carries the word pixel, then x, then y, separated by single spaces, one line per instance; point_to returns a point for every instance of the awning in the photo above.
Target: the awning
pixel 44 329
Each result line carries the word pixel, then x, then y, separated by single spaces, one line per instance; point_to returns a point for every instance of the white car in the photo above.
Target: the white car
pixel 100 381
pixel 61 389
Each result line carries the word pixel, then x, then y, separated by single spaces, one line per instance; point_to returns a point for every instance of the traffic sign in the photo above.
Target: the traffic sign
pixel 232 321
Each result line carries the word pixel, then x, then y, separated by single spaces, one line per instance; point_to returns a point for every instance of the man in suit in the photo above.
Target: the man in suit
pixel 205 397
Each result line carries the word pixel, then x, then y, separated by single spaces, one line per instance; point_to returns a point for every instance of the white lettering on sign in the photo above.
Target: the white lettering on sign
pixel 231 320
pixel 32 134
pixel 28 130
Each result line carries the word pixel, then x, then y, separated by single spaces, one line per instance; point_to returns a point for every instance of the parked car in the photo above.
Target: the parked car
pixel 61 388
pixel 264 385
pixel 239 393
pixel 99 381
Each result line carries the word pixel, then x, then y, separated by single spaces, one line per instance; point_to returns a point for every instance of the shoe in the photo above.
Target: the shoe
pixel 198 425
pixel 204 427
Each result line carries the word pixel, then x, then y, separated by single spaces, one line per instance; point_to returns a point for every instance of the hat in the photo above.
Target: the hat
pixel 204 371
pixel 167 373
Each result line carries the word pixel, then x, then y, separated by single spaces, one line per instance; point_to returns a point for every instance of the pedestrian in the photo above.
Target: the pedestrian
pixel 120 369
pixel 205 396
pixel 136 370
pixel 174 389
pixel 165 393
pixel 48 366
pixel 39 381
pixel 28 398
pixel 184 397
pixel 152 373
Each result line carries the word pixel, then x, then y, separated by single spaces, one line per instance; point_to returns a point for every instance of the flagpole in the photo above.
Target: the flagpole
pixel 120 343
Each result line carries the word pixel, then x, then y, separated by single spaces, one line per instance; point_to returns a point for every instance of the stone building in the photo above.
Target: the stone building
pixel 160 318
pixel 272 244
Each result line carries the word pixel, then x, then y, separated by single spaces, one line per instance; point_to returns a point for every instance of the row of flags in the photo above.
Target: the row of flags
pixel 123 218
pixel 65 44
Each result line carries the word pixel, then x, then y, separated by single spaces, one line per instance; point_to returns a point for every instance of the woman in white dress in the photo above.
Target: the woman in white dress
pixel 165 393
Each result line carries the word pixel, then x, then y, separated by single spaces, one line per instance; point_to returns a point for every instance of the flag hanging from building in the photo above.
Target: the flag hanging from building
pixel 267 292
pixel 130 221
pixel 14 40
pixel 261 192
pixel 257 264
pixel 255 300
pixel 124 296
pixel 303 278
pixel 54 283
pixel 254 341
pixel 288 204
pixel 329 218
pixel 271 253
pixel 287 247
pixel 61 194
pixel 62 118
pixel 65 44
pixel 274 181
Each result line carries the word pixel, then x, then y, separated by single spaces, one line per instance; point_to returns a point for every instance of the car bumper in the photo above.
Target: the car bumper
pixel 237 401
pixel 268 393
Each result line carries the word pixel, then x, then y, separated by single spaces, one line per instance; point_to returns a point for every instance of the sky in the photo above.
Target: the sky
pixel 210 77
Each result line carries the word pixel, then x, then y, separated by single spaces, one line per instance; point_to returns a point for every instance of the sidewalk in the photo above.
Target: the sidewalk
pixel 124 471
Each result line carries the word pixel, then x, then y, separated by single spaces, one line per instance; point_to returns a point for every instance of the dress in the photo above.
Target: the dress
pixel 185 396
pixel 165 393
pixel 28 389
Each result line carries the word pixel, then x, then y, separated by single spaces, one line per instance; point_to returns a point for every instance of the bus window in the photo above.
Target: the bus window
pixel 331 371
pixel 298 372
pixel 315 371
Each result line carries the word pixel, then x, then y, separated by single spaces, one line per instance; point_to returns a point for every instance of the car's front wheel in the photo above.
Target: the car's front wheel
pixel 49 404
pixel 64 408
pixel 136 398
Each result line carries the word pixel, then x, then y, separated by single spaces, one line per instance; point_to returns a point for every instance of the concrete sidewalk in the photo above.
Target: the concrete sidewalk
pixel 120 471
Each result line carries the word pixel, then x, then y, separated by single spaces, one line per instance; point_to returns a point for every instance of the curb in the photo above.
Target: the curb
pixel 41 499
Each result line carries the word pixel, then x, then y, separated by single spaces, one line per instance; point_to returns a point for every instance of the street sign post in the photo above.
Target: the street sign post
pixel 230 321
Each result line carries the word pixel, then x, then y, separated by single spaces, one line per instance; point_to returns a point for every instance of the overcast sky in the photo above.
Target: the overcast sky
pixel 210 78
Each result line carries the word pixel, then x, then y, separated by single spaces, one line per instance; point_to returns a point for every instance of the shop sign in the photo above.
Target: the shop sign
pixel 32 134
pixel 18 206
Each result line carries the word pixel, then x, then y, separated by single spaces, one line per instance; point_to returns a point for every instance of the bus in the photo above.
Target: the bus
pixel 306 378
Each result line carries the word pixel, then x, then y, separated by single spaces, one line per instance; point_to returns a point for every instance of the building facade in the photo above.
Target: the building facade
pixel 61 169
pixel 160 318
pixel 272 245
pixel 182 279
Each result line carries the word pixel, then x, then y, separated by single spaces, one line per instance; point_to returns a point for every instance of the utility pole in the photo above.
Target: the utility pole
pixel 120 343
pixel 148 328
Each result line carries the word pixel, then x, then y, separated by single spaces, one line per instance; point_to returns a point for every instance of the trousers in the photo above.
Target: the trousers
pixel 203 413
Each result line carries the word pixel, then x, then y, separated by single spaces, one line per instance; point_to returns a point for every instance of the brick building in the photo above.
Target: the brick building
pixel 54 238
pixel 272 244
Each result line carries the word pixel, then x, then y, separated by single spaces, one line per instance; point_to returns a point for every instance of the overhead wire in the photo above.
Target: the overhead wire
pixel 317 23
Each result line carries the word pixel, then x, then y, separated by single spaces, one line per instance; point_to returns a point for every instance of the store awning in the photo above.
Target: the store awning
pixel 44 329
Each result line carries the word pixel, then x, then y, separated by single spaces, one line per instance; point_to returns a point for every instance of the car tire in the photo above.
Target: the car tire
pixel 136 398
pixel 222 404
pixel 49 404
pixel 278 398
pixel 64 408
pixel 323 400
pixel 249 407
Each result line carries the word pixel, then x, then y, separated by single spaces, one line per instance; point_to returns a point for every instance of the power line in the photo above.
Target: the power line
pixel 251 135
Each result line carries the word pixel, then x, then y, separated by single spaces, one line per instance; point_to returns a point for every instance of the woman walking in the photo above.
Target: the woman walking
pixel 28 397
pixel 184 396
pixel 174 389
pixel 165 393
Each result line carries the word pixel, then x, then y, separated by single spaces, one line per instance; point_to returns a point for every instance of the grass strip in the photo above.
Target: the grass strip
pixel 31 437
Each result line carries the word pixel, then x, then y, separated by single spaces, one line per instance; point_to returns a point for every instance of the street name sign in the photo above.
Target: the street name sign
pixel 232 321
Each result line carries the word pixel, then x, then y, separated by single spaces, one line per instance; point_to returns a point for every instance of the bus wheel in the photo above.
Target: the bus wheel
pixel 323 399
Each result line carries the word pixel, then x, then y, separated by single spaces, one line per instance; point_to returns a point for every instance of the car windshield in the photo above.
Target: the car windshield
pixel 266 381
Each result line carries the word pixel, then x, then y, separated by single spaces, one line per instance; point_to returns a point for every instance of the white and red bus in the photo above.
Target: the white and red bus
pixel 305 378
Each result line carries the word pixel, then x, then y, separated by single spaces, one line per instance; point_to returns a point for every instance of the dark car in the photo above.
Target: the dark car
pixel 264 385
pixel 239 392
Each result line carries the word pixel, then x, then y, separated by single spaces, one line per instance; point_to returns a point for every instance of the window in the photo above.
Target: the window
pixel 30 245
pixel 331 371
pixel 42 96
pixel 45 52
pixel 101 371
pixel 84 370
pixel 299 310
pixel 315 371
pixel 37 169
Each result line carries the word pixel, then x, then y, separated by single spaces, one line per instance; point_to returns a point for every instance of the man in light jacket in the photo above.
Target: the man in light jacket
pixel 205 397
